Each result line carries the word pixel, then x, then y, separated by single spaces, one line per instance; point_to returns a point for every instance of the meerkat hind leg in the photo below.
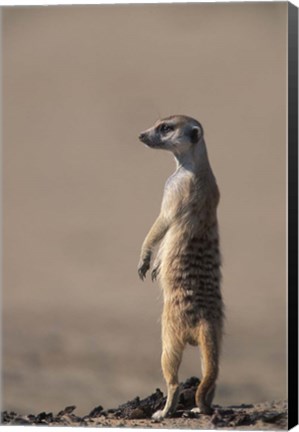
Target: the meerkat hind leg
pixel 209 400
pixel 209 352
pixel 210 396
pixel 171 360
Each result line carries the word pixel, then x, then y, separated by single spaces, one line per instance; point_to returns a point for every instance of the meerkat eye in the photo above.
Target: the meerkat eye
pixel 165 128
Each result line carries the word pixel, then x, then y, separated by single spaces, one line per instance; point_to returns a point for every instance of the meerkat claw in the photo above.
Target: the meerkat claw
pixel 141 275
pixel 155 273
pixel 142 270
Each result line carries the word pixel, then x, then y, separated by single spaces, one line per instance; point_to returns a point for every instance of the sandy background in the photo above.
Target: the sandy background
pixel 80 193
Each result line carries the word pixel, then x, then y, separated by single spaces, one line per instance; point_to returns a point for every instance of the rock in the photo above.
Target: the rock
pixel 67 410
pixel 96 412
pixel 271 417
pixel 137 413
pixel 20 420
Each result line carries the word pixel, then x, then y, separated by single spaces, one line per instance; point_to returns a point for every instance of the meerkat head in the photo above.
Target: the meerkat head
pixel 177 133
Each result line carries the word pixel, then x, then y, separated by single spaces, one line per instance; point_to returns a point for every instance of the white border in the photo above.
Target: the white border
pixel 82 3
pixel 95 2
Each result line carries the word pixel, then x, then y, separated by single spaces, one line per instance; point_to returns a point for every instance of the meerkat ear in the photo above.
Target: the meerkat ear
pixel 195 134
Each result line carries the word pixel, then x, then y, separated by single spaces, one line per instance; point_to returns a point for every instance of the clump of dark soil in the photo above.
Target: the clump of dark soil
pixel 138 413
pixel 145 408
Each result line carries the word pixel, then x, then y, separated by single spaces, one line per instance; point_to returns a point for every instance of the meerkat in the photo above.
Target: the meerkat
pixel 188 262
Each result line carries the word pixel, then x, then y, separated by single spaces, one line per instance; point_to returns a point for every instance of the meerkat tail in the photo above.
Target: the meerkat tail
pixel 209 344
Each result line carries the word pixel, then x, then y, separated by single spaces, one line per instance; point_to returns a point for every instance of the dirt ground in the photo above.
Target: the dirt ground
pixel 138 412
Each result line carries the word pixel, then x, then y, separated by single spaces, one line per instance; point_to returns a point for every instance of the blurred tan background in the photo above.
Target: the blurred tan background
pixel 80 193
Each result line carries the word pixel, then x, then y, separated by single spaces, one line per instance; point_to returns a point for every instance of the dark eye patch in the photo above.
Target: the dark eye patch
pixel 165 128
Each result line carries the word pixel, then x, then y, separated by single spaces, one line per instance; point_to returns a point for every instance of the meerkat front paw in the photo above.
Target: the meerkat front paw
pixel 143 267
pixel 155 272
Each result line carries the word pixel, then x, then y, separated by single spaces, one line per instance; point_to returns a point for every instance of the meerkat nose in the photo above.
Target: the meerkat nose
pixel 142 136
